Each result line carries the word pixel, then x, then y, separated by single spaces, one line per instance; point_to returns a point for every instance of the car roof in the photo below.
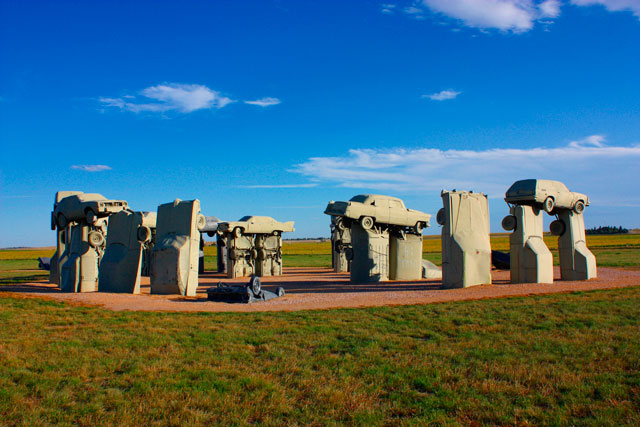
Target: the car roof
pixel 364 198
pixel 532 184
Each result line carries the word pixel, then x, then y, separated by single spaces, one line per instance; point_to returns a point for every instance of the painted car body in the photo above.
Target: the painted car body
pixel 536 191
pixel 256 225
pixel 382 209
pixel 77 207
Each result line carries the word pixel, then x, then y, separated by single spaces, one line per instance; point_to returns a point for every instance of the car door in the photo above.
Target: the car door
pixel 397 213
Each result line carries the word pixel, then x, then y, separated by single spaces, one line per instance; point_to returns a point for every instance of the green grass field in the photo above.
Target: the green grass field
pixel 568 359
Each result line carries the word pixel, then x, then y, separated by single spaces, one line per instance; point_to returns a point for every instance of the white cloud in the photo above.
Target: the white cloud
pixel 281 186
pixel 92 168
pixel 505 15
pixel 184 98
pixel 612 5
pixel 549 9
pixel 264 102
pixel 442 95
pixel 415 12
pixel 387 8
pixel 605 173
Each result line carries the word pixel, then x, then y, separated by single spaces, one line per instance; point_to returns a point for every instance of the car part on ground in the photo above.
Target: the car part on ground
pixel 242 293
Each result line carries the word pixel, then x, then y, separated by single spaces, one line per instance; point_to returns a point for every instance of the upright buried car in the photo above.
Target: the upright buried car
pixel 373 208
pixel 89 206
pixel 548 194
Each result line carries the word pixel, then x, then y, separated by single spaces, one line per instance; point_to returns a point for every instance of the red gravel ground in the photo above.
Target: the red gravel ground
pixel 321 288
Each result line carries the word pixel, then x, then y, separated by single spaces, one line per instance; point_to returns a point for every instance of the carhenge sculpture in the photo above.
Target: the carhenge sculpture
pixel 174 258
pixel 385 236
pixel 466 246
pixel 62 238
pixel 341 250
pixel 576 260
pixel 254 245
pixel 129 235
pixel 83 216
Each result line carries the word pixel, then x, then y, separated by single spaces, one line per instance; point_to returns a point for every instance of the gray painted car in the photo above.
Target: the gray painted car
pixel 548 194
pixel 375 208
pixel 256 225
pixel 89 206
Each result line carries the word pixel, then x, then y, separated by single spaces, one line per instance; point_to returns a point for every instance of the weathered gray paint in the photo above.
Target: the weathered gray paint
pixel 340 243
pixel 370 254
pixel 577 262
pixel 405 256
pixel 79 273
pixel 531 260
pixel 466 247
pixel 174 258
pixel 121 265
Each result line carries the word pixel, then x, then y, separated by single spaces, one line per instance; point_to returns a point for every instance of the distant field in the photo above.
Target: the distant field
pixel 20 265
pixel 565 359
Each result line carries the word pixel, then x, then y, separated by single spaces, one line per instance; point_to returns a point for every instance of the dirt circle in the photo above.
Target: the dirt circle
pixel 321 288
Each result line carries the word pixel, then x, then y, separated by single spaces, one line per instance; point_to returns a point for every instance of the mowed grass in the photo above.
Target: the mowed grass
pixel 568 359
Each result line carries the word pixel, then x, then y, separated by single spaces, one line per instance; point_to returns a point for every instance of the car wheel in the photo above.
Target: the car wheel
pixel 366 222
pixel 557 227
pixel 254 253
pixel 262 254
pixel 549 204
pixel 96 239
pixel 280 291
pixel 348 254
pixel 340 224
pixel 579 207
pixel 62 221
pixel 237 232
pixel 419 227
pixel 440 217
pixel 201 222
pixel 254 284
pixel 509 222
pixel 144 234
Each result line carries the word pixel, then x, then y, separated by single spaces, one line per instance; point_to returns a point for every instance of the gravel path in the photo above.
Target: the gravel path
pixel 321 288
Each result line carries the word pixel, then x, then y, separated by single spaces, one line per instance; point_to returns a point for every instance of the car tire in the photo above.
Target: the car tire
pixel 340 225
pixel 237 232
pixel 419 227
pixel 144 234
pixel 62 221
pixel 557 227
pixel 579 207
pixel 509 222
pixel 280 291
pixel 548 204
pixel 254 253
pixel 366 222
pixel 440 217
pixel 255 285
pixel 348 253
pixel 201 222
pixel 96 239
pixel 91 217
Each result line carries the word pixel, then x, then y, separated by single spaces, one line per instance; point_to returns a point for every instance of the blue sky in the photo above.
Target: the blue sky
pixel 275 107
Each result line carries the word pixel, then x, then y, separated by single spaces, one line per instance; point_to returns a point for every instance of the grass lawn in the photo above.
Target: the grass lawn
pixel 557 359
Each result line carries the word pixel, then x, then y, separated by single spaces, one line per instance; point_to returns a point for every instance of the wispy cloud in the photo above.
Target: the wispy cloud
pixel 281 185
pixel 588 165
pixel 184 98
pixel 264 102
pixel 92 168
pixel 506 15
pixel 613 5
pixel 516 16
pixel 443 95
pixel 387 8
